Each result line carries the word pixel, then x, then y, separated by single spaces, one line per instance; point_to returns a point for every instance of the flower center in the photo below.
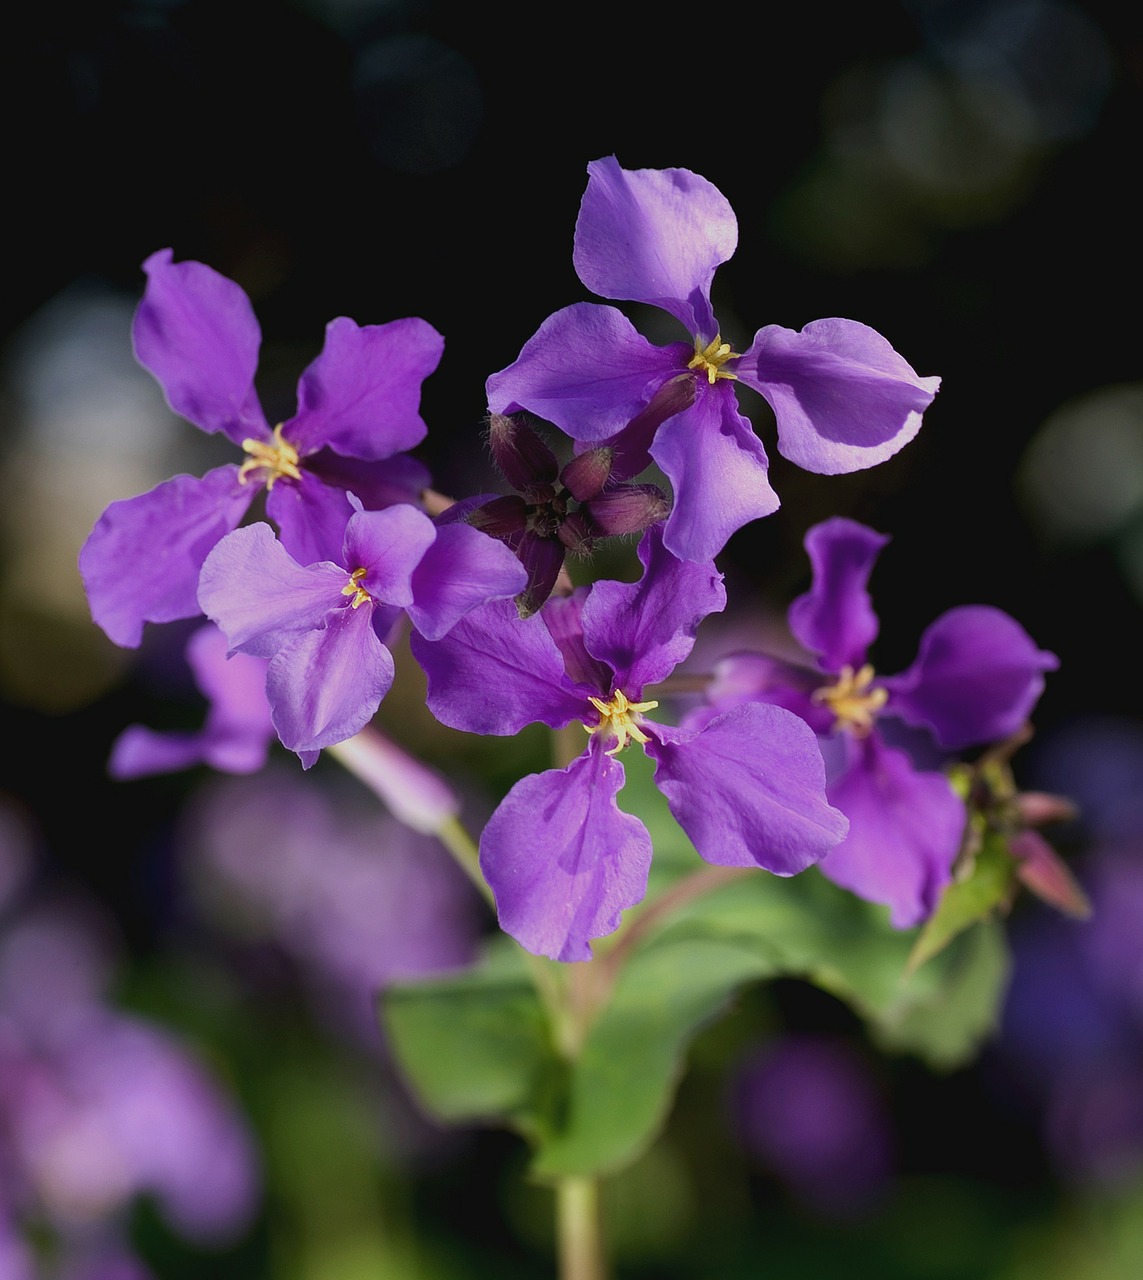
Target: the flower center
pixel 712 357
pixel 275 457
pixel 853 703
pixel 354 588
pixel 619 719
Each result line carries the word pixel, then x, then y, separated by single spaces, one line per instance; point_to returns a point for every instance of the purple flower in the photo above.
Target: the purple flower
pixel 324 626
pixel 561 857
pixel 843 398
pixel 358 411
pixel 237 733
pixel 976 678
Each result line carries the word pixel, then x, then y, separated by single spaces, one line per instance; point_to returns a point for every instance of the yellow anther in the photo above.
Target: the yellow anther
pixel 712 357
pixel 354 588
pixel 853 703
pixel 275 457
pixel 619 718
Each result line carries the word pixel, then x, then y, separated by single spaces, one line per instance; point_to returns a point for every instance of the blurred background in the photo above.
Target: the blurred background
pixel 959 175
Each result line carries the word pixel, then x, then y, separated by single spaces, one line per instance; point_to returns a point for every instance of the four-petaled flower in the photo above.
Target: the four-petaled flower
pixel 358 411
pixel 561 857
pixel 324 626
pixel 975 680
pixel 843 398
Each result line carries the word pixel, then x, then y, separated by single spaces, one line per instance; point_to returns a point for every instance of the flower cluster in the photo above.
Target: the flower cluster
pixel 364 549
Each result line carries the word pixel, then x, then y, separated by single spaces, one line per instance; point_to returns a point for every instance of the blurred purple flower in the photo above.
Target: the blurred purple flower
pixel 358 899
pixel 843 398
pixel 358 412
pixel 808 1109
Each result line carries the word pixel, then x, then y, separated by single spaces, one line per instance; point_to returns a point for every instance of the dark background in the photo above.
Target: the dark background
pixel 961 176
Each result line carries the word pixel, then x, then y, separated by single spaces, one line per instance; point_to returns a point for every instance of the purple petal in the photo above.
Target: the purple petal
pixel 141 561
pixel 388 545
pixel 495 672
pixel 719 472
pixel 563 616
pixel 461 570
pixel 378 484
pixel 748 789
pixel 325 686
pixel 644 629
pixel 195 331
pixel 758 677
pixel 834 619
pixel 542 559
pixel 630 447
pixel 976 678
pixel 654 236
pixel 237 733
pixel 843 398
pixel 905 829
pixel 311 517
pixel 362 395
pixel 563 860
pixel 260 596
pixel 587 370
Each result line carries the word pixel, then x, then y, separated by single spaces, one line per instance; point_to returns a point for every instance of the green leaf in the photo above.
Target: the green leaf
pixel 989 884
pixel 621 1087
pixel 476 1046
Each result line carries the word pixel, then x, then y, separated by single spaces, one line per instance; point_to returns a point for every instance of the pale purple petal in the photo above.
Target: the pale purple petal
pixel 718 470
pixel 748 789
pixel 563 616
pixel 834 620
pixel 362 394
pixel 644 629
pixel 495 672
pixel 237 733
pixel 311 517
pixel 588 370
pixel 562 858
pixel 389 546
pixel 905 830
pixel 976 678
pixel 654 236
pixel 325 686
pixel 843 398
pixel 461 570
pixel 260 596
pixel 141 561
pixel 195 331
pixel 415 794
pixel 758 677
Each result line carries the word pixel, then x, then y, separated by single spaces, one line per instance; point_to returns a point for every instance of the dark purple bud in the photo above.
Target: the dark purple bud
pixel 502 517
pixel 632 444
pixel 577 533
pixel 524 459
pixel 587 473
pixel 628 509
pixel 543 558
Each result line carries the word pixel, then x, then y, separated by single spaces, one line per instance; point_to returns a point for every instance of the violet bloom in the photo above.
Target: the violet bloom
pixel 561 857
pixel 358 411
pixel 843 398
pixel 236 734
pixel 976 678
pixel 324 626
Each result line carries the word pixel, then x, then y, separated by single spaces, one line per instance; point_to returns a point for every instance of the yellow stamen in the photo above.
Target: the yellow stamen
pixel 853 703
pixel 712 357
pixel 277 458
pixel 354 588
pixel 620 718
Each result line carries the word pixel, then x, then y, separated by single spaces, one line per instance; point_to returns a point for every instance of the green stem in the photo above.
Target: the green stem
pixel 452 834
pixel 579 1230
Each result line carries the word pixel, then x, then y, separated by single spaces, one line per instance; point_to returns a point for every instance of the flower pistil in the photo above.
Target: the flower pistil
pixel 276 457
pixel 853 703
pixel 620 719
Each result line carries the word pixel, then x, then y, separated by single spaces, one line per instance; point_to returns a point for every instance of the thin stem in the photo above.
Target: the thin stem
pixel 579 1230
pixel 460 844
